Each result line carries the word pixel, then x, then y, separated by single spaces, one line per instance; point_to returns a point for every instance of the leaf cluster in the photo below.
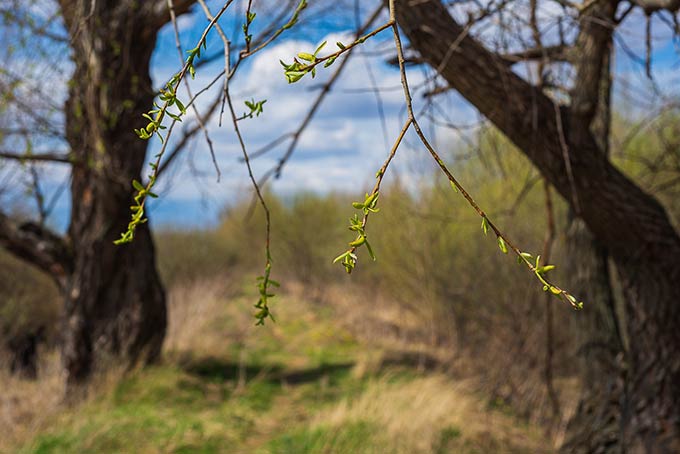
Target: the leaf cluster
pixel 256 108
pixel 540 272
pixel 305 63
pixel 357 224
pixel 262 305
pixel 137 211
pixel 169 98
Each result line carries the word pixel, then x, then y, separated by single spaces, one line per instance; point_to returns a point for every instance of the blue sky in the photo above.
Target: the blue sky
pixel 346 142
pixel 340 151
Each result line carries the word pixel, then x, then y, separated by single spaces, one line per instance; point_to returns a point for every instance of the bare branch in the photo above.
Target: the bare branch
pixel 593 42
pixel 188 134
pixel 42 29
pixel 161 14
pixel 187 85
pixel 557 53
pixel 36 245
pixel 38 157
pixel 325 90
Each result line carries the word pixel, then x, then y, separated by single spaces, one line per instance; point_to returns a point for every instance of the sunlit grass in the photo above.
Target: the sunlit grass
pixel 299 386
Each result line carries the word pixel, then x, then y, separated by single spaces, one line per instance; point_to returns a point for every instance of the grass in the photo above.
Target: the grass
pixel 359 436
pixel 299 386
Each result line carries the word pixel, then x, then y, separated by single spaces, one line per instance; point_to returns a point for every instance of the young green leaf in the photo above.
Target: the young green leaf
pixel 318 49
pixel 485 225
pixel 340 257
pixel 502 246
pixel 138 186
pixel 545 269
pixel 361 239
pixel 370 251
pixel 307 57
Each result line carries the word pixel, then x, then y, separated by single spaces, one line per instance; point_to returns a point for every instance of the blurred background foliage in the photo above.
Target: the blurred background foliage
pixel 440 288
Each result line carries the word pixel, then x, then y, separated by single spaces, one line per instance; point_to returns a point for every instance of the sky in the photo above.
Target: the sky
pixel 341 150
pixel 348 139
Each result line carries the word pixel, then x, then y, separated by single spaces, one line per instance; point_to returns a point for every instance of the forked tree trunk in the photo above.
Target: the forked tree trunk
pixel 115 303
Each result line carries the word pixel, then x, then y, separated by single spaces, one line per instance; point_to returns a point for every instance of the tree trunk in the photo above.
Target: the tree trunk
pixel 596 426
pixel 629 223
pixel 115 304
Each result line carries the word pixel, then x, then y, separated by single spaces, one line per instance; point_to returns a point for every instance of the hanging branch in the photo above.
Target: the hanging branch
pixel 325 90
pixel 307 63
pixel 169 98
pixel 201 125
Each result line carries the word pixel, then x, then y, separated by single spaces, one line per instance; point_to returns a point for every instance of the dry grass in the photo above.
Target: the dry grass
pixel 193 311
pixel 396 332
pixel 29 407
pixel 377 320
pixel 413 415
pixel 25 405
pixel 426 411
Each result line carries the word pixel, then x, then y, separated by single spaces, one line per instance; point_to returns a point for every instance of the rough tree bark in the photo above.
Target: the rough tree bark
pixel 596 425
pixel 115 304
pixel 628 222
pixel 115 308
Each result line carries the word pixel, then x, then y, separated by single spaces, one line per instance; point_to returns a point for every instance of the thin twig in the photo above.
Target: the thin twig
pixel 199 120
pixel 504 242
pixel 325 90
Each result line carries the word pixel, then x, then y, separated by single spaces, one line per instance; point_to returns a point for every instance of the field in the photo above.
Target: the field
pixel 316 381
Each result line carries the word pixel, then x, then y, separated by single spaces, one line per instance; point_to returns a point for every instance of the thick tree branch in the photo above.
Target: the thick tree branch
pixel 595 35
pixel 36 245
pixel 628 221
pixel 656 5
pixel 557 53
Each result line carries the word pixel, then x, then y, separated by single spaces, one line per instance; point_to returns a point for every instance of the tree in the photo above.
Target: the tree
pixel 114 309
pixel 114 300
pixel 631 224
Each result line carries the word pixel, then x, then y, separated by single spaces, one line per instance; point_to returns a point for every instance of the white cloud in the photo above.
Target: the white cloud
pixel 341 149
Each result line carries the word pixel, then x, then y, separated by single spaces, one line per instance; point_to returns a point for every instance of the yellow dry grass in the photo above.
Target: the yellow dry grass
pixel 26 405
pixel 414 414
pixel 192 312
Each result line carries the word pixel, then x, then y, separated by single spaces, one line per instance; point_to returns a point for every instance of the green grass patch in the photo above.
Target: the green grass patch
pixel 356 437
